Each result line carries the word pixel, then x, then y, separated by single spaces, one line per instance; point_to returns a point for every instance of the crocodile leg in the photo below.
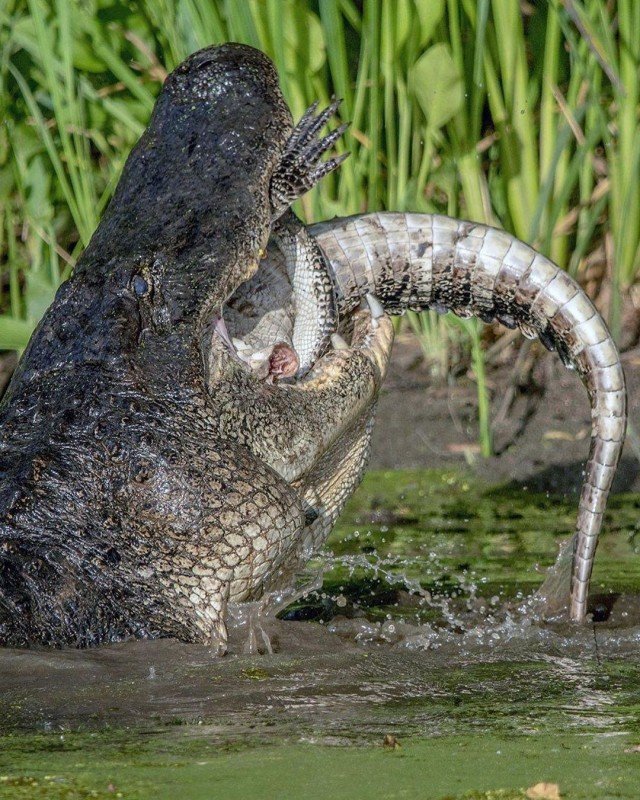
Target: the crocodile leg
pixel 300 167
pixel 420 261
pixel 314 298
pixel 312 307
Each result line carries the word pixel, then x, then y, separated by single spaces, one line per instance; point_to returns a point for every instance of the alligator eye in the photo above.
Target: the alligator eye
pixel 140 286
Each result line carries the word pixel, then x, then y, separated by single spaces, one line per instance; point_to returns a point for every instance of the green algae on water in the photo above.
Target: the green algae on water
pixel 478 716
pixel 456 768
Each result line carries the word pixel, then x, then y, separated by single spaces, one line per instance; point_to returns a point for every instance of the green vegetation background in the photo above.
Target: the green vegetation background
pixel 519 114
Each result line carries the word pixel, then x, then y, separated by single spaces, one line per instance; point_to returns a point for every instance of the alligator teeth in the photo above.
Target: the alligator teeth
pixel 256 356
pixel 257 361
pixel 240 345
pixel 220 327
pixel 338 342
pixel 371 304
pixel 375 306
pixel 376 309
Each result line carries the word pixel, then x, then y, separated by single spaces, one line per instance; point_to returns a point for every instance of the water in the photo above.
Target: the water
pixel 417 635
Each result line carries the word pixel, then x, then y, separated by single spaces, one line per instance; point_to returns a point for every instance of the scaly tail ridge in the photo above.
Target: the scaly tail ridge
pixel 423 261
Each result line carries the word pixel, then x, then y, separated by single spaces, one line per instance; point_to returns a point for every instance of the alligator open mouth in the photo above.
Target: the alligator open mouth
pixel 275 360
pixel 256 323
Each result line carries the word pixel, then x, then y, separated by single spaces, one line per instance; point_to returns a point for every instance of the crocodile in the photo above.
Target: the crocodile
pixel 125 508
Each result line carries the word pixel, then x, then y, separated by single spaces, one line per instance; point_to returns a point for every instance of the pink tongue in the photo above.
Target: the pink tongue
pixel 283 361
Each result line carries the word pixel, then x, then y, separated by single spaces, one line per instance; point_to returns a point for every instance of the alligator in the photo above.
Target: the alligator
pixel 150 474
pixel 125 509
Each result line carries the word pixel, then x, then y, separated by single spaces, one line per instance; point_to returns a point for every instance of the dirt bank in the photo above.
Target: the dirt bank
pixel 541 420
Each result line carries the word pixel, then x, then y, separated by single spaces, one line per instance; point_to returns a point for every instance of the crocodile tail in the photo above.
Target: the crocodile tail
pixel 423 261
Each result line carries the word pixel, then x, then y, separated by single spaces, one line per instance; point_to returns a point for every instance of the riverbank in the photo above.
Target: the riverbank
pixel 540 412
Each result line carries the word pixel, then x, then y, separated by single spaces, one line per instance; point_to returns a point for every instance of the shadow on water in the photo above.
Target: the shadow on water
pixel 419 636
pixel 567 478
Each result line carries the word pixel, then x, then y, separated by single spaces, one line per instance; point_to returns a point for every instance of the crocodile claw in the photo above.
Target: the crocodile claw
pixel 327 166
pixel 300 168
pixel 310 124
pixel 315 150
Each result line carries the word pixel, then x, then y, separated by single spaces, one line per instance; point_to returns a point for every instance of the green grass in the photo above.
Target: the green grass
pixel 475 108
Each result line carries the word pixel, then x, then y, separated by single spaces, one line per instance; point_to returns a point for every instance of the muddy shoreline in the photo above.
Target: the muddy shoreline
pixel 541 437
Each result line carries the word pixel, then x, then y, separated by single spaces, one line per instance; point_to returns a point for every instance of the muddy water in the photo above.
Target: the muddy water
pixel 419 634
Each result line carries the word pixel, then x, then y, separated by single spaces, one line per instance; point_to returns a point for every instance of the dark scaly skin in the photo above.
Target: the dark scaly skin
pixel 126 507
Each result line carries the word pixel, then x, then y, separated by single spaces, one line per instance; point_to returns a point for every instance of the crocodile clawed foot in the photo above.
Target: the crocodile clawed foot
pixel 300 168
